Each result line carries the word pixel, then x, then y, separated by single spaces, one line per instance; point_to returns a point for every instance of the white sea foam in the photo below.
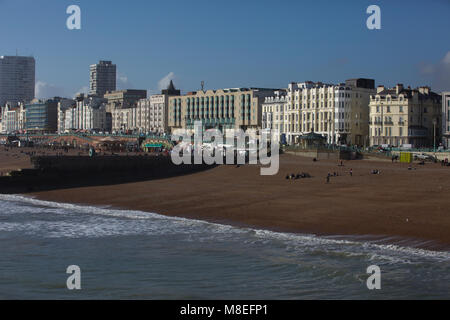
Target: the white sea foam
pixel 390 253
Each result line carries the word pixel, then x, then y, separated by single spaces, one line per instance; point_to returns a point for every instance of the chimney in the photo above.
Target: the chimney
pixel 424 90
pixel 399 88
pixel 380 89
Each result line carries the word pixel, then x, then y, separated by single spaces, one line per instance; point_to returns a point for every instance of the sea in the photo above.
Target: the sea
pixel 125 254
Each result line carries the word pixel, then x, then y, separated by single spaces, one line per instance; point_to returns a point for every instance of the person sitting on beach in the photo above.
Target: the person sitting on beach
pixel 298 176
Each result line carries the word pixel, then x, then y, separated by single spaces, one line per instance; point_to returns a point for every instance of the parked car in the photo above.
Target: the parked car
pixel 424 156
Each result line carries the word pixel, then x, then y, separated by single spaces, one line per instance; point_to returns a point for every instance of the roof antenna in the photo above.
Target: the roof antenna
pixel 203 85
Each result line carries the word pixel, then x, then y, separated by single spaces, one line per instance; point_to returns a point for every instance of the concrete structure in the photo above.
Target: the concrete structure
pixel 405 116
pixel 223 109
pixel 337 112
pixel 446 119
pixel 88 114
pixel 102 78
pixel 17 79
pixel 42 116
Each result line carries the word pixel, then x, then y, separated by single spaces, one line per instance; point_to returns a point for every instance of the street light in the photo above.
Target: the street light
pixel 434 135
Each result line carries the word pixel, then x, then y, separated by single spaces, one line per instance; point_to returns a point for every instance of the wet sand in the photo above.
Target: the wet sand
pixel 396 205
pixel 13 159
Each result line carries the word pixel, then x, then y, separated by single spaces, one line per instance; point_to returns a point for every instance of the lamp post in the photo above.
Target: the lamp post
pixel 434 136
pixel 330 132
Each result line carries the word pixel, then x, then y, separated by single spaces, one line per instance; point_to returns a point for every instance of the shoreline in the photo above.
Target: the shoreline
pixel 396 243
pixel 408 205
pixel 397 206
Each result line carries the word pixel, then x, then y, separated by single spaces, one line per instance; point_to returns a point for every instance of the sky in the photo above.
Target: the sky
pixel 229 43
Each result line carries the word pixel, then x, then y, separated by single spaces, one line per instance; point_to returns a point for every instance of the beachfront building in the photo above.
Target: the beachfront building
pixel 339 113
pixel 123 99
pixel 88 114
pixel 17 79
pixel 275 113
pixel 119 105
pixel 405 117
pixel 144 115
pixel 41 116
pixel 446 119
pixel 63 105
pixel 102 78
pixel 151 114
pixel 223 109
pixel 122 119
pixel 13 118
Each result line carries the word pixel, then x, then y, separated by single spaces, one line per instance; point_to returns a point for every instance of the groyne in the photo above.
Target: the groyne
pixel 59 172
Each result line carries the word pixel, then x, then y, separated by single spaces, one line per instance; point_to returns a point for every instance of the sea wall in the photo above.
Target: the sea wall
pixel 57 172
pixel 326 154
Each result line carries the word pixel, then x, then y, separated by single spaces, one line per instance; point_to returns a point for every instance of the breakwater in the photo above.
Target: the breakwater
pixel 59 172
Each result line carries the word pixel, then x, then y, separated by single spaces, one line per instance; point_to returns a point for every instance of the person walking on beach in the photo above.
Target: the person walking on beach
pixel 351 172
pixel 328 178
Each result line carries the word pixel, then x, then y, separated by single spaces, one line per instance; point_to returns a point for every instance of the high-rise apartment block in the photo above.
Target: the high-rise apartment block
pixel 102 78
pixel 17 79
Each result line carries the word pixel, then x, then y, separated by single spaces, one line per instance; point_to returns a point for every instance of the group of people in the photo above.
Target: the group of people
pixel 335 174
pixel 298 176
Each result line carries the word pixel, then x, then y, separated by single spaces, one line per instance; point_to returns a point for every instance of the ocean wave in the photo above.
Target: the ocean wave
pixel 207 231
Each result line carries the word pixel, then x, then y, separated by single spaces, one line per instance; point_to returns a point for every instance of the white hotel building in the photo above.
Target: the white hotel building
pixel 338 112
pixel 87 114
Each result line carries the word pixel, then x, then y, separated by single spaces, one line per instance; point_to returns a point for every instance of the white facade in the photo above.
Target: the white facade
pixel 88 114
pixel 275 113
pixel 17 79
pixel 150 115
pixel 63 106
pixel 338 112
pixel 13 118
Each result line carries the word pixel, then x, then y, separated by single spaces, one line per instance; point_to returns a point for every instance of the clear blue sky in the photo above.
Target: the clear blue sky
pixel 230 43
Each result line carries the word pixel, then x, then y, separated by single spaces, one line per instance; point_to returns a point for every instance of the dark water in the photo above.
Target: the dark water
pixel 138 255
